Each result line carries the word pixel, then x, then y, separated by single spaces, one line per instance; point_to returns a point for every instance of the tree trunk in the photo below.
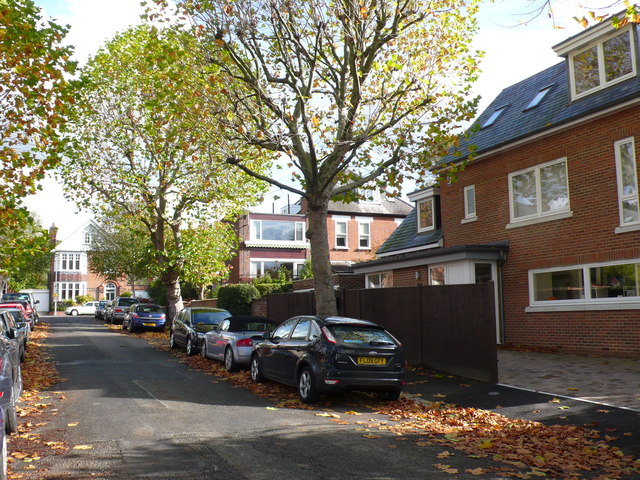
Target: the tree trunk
pixel 322 273
pixel 171 281
pixel 202 290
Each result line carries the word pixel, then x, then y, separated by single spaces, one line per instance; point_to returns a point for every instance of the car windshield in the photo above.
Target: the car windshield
pixel 208 318
pixel 351 334
pixel 149 309
pixel 16 296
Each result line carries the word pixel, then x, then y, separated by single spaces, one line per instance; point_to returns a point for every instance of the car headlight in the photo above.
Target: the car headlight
pixel 200 335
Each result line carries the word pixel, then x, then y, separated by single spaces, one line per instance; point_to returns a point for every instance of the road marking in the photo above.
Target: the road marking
pixel 151 395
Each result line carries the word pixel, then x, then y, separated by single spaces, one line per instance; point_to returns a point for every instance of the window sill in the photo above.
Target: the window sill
pixel 585 307
pixel 627 228
pixel 545 218
pixel 341 248
pixel 469 220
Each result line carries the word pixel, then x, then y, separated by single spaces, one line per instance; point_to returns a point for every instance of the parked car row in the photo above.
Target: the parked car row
pixel 316 354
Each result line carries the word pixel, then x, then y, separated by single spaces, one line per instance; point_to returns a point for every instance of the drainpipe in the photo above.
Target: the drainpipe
pixel 501 262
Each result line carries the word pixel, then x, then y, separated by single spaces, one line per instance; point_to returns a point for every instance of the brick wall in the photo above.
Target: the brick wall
pixel 381 229
pixel 588 236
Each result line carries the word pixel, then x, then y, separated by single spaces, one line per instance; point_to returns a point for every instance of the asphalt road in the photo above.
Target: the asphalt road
pixel 148 416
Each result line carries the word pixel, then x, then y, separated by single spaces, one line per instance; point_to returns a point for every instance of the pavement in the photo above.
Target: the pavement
pixel 604 381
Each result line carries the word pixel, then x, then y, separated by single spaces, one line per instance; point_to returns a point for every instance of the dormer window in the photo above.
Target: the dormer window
pixel 602 64
pixel 539 97
pixel 427 208
pixel 494 116
pixel 426 218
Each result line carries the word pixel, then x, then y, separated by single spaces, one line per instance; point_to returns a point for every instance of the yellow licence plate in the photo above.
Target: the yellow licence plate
pixel 149 324
pixel 372 361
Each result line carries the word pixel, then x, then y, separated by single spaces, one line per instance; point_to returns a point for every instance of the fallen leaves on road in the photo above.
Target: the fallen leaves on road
pixel 519 448
pixel 36 407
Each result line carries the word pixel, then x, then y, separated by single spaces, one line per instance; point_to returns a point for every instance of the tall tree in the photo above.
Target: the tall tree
pixel 25 252
pixel 207 249
pixel 138 145
pixel 120 249
pixel 345 92
pixel 34 96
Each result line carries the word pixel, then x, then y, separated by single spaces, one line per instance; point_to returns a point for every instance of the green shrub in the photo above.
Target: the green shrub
pixel 238 298
pixel 80 299
pixel 125 294
pixel 267 288
pixel 69 302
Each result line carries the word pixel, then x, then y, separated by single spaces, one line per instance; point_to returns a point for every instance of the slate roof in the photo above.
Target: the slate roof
pixel 394 208
pixel 406 236
pixel 516 122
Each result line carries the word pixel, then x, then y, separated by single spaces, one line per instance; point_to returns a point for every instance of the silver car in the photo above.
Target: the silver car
pixel 231 342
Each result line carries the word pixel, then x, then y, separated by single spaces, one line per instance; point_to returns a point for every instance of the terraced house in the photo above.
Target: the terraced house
pixel 548 209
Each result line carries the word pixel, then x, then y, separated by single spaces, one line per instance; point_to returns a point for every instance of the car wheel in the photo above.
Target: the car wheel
pixel 11 417
pixel 22 355
pixel 389 395
pixel 229 362
pixel 203 349
pixel 3 471
pixel 172 341
pixel 255 370
pixel 307 386
pixel 74 313
pixel 191 348
pixel 123 326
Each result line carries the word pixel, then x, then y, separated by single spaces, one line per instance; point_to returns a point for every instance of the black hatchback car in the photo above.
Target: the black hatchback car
pixel 190 325
pixel 320 354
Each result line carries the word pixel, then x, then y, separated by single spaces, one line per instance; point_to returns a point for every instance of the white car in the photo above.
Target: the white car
pixel 88 308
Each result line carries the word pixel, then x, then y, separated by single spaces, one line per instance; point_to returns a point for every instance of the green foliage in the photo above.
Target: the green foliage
pixel 35 95
pixel 306 271
pixel 69 302
pixel 125 294
pixel 348 93
pixel 25 252
pixel 81 299
pixel 238 298
pixel 274 281
pixel 145 147
pixel 158 292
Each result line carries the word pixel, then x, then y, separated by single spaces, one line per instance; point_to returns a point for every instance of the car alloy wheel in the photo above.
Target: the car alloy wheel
pixel 74 313
pixel 229 361
pixel 172 341
pixel 191 349
pixel 203 349
pixel 254 369
pixel 306 386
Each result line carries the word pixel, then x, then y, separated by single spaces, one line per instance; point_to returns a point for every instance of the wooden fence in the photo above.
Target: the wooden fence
pixel 451 328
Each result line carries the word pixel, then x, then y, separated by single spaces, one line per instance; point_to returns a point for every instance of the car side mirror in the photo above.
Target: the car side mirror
pixel 36 302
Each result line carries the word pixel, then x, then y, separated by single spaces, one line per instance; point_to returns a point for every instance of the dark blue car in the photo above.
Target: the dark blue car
pixel 144 316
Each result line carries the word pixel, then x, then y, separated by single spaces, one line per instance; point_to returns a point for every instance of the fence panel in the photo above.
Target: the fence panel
pixel 450 327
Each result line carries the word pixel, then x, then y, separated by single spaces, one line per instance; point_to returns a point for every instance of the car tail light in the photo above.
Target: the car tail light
pixel 163 316
pixel 135 315
pixel 328 335
pixel 118 310
pixel 245 342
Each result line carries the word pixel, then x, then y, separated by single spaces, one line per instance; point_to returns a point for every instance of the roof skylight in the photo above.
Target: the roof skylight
pixel 494 116
pixel 539 97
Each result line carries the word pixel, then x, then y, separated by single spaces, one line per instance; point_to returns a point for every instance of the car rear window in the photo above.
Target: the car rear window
pixel 16 296
pixel 350 334
pixel 252 327
pixel 127 301
pixel 209 318
pixel 149 309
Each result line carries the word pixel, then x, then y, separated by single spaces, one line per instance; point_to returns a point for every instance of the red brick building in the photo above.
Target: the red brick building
pixel 355 230
pixel 548 209
pixel 70 275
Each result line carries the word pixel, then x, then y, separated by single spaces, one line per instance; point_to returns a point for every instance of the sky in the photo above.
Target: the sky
pixel 513 52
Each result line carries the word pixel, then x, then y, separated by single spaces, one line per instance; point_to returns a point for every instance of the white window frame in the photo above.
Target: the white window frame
pixel 70 290
pixel 470 213
pixel 256 231
pixel 70 262
pixel 380 275
pixel 363 235
pixel 586 303
pixel 621 195
pixel 433 214
pixel 258 272
pixel 601 64
pixel 343 220
pixel 87 237
pixel 540 216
